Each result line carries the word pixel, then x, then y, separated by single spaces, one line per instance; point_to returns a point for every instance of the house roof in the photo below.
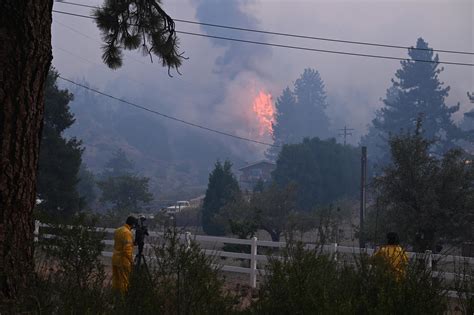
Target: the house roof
pixel 255 164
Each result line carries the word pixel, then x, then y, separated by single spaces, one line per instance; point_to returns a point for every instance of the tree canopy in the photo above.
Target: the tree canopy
pixel 60 158
pixel 417 90
pixel 26 58
pixel 426 198
pixel 270 209
pixel 221 189
pixel 301 112
pixel 134 25
pixel 323 171
pixel 127 193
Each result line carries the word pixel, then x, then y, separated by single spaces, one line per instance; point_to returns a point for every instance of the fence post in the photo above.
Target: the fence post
pixel 37 229
pixel 253 263
pixel 429 259
pixel 335 251
pixel 187 239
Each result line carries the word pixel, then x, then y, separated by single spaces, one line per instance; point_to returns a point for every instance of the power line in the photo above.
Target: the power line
pixel 299 47
pixel 346 132
pixel 89 61
pixel 337 52
pixel 168 116
pixel 298 35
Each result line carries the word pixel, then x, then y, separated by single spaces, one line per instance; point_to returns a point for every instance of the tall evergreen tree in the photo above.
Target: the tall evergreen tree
pixel 284 121
pixel 25 33
pixel 60 158
pixel 311 102
pixel 221 189
pixel 417 90
pixel 300 113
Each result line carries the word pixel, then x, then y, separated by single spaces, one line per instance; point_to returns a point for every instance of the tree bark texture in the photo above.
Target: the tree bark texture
pixel 25 58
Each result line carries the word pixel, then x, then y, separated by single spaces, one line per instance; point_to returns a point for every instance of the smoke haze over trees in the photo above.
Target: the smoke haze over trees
pixel 300 112
pixel 416 90
pixel 218 80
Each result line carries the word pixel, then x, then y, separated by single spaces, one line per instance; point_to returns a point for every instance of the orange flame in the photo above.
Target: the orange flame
pixel 263 107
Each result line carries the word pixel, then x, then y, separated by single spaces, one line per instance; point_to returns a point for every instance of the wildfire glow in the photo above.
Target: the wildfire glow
pixel 263 107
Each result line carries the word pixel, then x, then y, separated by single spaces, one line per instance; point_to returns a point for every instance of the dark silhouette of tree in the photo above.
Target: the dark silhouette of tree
pixel 417 90
pixel 300 113
pixel 425 198
pixel 322 170
pixel 134 25
pixel 121 187
pixel 60 158
pixel 25 31
pixel 127 193
pixel 272 209
pixel 221 189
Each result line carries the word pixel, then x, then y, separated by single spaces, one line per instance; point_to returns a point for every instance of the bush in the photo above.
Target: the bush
pixel 71 276
pixel 464 285
pixel 304 282
pixel 179 280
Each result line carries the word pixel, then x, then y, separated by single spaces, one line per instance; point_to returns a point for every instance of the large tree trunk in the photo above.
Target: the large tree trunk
pixel 25 57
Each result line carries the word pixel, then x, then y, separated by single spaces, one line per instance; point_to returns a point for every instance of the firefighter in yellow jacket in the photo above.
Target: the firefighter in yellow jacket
pixel 122 258
pixel 394 255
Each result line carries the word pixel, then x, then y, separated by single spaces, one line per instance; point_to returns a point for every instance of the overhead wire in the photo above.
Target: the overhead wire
pixel 237 40
pixel 326 50
pixel 223 133
pixel 245 29
pixel 298 47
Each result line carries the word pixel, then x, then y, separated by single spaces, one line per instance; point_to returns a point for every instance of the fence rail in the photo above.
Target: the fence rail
pixel 253 271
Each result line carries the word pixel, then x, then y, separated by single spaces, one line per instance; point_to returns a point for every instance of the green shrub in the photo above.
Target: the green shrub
pixel 180 280
pixel 71 276
pixel 464 285
pixel 303 281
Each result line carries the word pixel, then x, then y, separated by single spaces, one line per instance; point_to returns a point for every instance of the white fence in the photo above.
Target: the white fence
pixel 253 271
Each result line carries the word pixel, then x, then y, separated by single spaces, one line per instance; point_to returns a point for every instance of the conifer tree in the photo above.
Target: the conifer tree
pixel 60 158
pixel 221 190
pixel 300 113
pixel 417 90
pixel 284 121
pixel 26 58
pixel 311 103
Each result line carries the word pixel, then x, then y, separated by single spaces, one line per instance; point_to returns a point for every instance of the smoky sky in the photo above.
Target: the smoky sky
pixel 236 57
pixel 220 78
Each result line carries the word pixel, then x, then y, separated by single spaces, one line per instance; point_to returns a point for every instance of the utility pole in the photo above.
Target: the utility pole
pixel 346 132
pixel 363 176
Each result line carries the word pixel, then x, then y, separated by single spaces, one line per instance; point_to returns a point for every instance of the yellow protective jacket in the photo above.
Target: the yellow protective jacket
pixel 122 258
pixel 395 256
